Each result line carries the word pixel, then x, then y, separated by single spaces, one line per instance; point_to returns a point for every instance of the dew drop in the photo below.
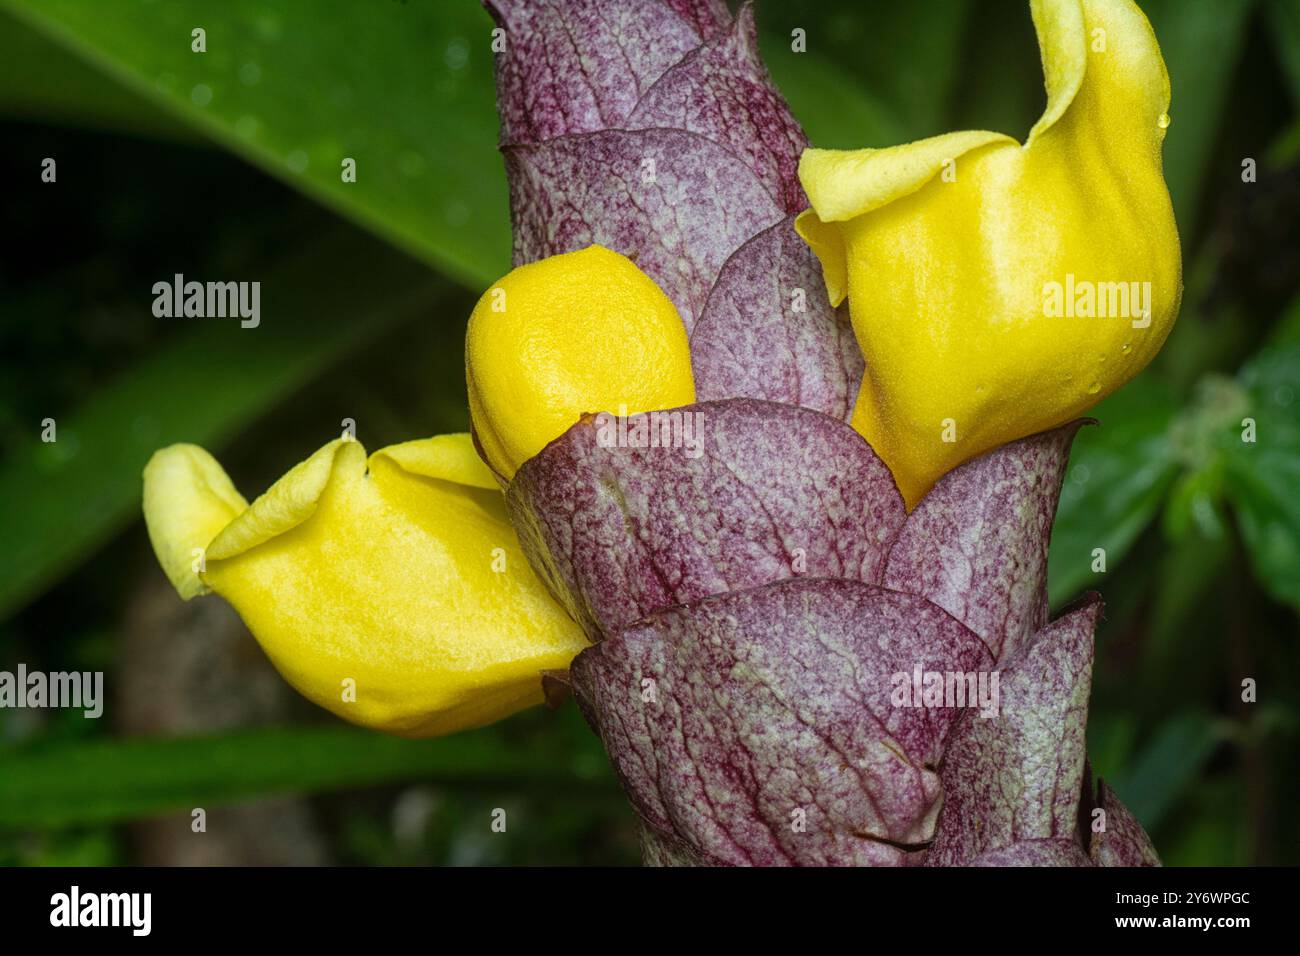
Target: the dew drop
pixel 456 56
pixel 1163 121
pixel 1126 348
pixel 1094 388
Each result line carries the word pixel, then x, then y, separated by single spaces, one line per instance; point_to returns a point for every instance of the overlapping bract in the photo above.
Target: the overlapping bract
pixel 754 587
pixel 651 128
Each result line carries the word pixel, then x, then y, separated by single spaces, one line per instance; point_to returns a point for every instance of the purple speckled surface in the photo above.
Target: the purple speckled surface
pixel 758 728
pixel 722 92
pixel 745 582
pixel 768 331
pixel 1123 842
pixel 776 491
pixel 976 545
pixel 652 128
pixel 1035 853
pixel 1019 776
pixel 674 202
pixel 577 67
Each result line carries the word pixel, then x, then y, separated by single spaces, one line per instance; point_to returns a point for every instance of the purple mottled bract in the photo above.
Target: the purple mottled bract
pixel 762 493
pixel 652 128
pixel 757 726
pixel 786 667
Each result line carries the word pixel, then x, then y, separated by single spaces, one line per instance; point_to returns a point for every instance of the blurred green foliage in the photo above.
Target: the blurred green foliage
pixel 228 163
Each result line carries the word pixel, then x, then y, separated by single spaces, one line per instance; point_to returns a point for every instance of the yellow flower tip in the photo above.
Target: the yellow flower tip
pixel 998 290
pixel 390 590
pixel 445 457
pixel 577 333
pixel 188 499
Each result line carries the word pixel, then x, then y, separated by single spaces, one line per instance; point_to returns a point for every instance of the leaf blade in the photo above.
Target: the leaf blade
pixel 104 781
pixel 77 491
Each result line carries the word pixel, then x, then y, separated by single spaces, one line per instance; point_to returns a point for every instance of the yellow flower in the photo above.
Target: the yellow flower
pixel 998 290
pixel 586 331
pixel 390 590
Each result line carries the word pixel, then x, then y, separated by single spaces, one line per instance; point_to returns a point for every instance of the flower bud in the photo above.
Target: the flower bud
pixel 577 333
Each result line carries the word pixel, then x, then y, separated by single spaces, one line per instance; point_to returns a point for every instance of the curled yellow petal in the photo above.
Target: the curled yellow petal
pixel 389 590
pixel 572 334
pixel 188 499
pixel 998 290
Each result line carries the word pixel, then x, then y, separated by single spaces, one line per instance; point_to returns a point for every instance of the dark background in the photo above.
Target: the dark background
pixel 226 165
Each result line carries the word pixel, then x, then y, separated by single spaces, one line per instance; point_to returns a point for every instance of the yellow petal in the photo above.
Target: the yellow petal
pixel 952 269
pixel 450 457
pixel 572 334
pixel 843 185
pixel 392 590
pixel 1062 40
pixel 188 499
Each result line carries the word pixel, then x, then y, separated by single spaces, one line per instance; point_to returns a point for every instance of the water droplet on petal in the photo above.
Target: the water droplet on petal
pixel 1163 121
pixel 1126 348
pixel 1094 388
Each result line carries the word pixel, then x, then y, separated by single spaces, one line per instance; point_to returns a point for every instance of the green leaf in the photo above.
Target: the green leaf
pixel 109 780
pixel 1210 829
pixel 1284 23
pixel 1262 478
pixel 1010 97
pixel 833 108
pixel 297 87
pixel 1168 765
pixel 903 56
pixel 65 498
pixel 1119 471
pixel 1201 41
pixel 1287 329
pixel 39 80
